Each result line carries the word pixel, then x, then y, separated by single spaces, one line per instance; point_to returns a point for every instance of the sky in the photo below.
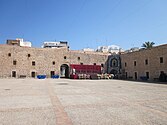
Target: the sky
pixel 85 23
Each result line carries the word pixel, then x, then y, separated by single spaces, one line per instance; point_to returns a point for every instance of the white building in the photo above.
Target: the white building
pixel 102 49
pixel 132 49
pixel 24 43
pixel 110 49
pixel 54 44
pixel 88 50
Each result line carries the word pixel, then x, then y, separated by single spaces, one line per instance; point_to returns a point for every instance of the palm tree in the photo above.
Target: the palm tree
pixel 148 45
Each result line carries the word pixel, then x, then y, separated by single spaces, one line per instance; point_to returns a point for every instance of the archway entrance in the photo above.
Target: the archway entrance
pixel 113 71
pixel 64 71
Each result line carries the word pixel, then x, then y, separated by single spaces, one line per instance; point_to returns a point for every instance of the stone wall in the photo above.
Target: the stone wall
pixel 48 59
pixel 44 59
pixel 154 67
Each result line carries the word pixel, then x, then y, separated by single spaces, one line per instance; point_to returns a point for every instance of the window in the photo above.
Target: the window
pixel 147 75
pixel 146 61
pixel 14 62
pixel 114 63
pixel 53 62
pixel 65 57
pixel 134 63
pixel 102 65
pixel 94 63
pixel 125 64
pixel 161 60
pixel 79 58
pixel 33 63
pixel 29 55
pixel 81 63
pixel 9 54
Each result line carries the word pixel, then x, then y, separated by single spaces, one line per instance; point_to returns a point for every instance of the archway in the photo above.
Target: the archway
pixel 64 71
pixel 113 71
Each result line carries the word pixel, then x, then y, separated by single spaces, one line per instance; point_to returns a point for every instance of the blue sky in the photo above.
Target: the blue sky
pixel 85 23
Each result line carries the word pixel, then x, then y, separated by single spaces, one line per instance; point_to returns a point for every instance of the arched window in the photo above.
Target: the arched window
pixel 114 63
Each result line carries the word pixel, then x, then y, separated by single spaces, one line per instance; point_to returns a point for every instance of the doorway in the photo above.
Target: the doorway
pixel 33 74
pixel 126 75
pixel 135 75
pixel 64 71
pixel 113 71
pixel 52 73
pixel 147 75
pixel 14 74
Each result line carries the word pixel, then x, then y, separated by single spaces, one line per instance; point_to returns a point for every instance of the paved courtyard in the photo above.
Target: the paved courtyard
pixel 81 102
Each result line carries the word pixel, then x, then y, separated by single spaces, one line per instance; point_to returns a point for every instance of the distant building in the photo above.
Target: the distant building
pixel 103 49
pixel 114 49
pixel 132 49
pixel 88 50
pixel 55 44
pixel 19 42
pixel 13 42
pixel 110 49
pixel 24 43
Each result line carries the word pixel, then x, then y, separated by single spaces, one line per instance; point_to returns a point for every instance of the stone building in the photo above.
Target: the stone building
pixel 147 63
pixel 16 61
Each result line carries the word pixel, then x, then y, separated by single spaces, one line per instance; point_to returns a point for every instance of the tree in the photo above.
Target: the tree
pixel 148 45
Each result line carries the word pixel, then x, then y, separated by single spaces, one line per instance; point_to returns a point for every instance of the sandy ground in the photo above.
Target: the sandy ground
pixel 81 102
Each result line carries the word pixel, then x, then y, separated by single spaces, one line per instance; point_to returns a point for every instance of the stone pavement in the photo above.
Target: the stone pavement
pixel 81 102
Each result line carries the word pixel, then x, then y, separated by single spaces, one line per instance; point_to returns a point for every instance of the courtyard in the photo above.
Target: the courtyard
pixel 82 102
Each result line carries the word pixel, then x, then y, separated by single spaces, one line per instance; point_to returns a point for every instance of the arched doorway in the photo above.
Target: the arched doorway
pixel 64 71
pixel 113 71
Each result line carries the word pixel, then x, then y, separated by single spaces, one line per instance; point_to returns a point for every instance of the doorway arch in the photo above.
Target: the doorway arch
pixel 113 71
pixel 64 71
